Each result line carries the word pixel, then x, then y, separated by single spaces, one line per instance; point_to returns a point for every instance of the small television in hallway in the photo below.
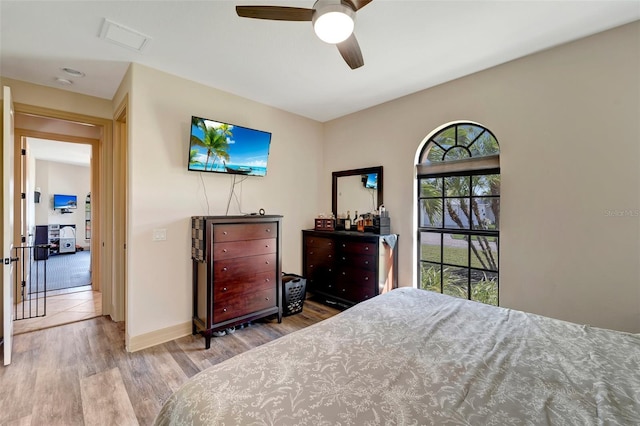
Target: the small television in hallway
pixel 62 202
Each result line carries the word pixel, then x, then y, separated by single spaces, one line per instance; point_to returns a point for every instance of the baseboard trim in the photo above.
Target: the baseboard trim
pixel 143 341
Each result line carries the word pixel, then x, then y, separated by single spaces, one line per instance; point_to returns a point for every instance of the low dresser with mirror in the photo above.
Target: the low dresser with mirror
pixel 344 266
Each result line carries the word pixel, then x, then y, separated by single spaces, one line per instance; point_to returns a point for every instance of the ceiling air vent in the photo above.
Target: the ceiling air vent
pixel 123 36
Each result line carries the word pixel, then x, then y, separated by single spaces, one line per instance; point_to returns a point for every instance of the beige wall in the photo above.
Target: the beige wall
pixel 567 121
pixel 163 194
pixel 49 97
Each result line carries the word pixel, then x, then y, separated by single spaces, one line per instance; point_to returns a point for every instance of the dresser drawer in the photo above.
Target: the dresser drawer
pixel 239 267
pixel 357 247
pixel 319 242
pixel 358 293
pixel 360 261
pixel 240 232
pixel 316 277
pixel 232 249
pixel 355 291
pixel 249 283
pixel 350 276
pixel 231 307
pixel 319 257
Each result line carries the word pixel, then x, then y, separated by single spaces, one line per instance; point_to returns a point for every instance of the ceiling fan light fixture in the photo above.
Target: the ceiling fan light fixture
pixel 333 23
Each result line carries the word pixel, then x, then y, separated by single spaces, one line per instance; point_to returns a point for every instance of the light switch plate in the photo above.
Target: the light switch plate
pixel 159 234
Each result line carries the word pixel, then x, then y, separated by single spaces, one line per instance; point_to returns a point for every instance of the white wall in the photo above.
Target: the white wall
pixel 163 194
pixel 567 120
pixel 60 178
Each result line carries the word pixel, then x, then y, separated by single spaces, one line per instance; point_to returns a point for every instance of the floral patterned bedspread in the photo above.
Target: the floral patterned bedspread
pixel 412 357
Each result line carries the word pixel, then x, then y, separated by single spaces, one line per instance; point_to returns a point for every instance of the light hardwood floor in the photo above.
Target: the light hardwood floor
pixel 80 373
pixel 62 307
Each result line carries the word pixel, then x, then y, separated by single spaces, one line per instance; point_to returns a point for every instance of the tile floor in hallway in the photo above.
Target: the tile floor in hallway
pixel 62 307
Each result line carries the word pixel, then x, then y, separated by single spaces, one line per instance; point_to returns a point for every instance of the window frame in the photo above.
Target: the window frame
pixel 468 167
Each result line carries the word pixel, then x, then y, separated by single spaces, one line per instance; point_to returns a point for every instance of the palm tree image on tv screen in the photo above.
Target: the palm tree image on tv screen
pixel 226 148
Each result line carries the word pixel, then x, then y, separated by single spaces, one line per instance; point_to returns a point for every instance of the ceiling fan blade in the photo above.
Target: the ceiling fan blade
pixel 276 13
pixel 357 4
pixel 350 51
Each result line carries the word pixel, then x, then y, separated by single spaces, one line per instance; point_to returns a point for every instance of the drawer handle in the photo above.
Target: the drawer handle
pixel 224 310
pixel 344 258
pixel 310 266
pixel 344 273
pixel 224 269
pixel 366 249
pixel 330 256
pixel 224 250
pixel 224 289
pixel 344 245
pixel 224 233
pixel 268 229
pixel 267 280
pixel 366 262
pixel 330 269
pixel 330 243
pixel 366 278
pixel 266 245
pixel 310 252
pixel 344 289
pixel 329 286
pixel 266 298
pixel 266 262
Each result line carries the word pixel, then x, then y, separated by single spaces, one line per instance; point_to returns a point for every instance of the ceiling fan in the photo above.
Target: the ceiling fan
pixel 333 22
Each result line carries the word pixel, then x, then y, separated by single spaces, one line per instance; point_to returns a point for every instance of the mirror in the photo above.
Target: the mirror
pixel 356 190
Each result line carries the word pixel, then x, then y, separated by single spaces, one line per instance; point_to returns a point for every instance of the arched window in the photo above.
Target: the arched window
pixel 458 205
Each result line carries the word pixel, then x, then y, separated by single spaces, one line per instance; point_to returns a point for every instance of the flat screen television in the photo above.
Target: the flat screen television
pixel 370 181
pixel 220 147
pixel 61 201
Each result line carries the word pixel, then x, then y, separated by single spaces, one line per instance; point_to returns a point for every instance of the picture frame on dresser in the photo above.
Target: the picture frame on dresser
pixel 237 268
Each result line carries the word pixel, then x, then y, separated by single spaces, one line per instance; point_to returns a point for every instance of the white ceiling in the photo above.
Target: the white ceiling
pixel 61 152
pixel 408 45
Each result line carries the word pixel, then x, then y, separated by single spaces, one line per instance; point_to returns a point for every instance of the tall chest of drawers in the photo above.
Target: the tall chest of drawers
pixel 236 271
pixel 346 268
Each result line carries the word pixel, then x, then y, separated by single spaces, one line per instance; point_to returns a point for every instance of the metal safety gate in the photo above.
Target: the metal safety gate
pixel 30 283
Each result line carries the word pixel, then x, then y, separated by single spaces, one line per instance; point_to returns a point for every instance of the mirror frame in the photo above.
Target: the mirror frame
pixel 364 171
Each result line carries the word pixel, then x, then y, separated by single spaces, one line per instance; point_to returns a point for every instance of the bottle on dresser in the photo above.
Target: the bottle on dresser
pixel 347 222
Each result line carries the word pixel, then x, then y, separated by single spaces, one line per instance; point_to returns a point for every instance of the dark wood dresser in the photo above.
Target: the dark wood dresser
pixel 345 268
pixel 236 271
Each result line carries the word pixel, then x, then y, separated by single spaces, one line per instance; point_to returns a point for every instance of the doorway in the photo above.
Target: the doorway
pixel 40 123
pixel 58 216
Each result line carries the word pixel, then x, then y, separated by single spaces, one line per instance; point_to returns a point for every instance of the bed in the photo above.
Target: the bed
pixel 413 357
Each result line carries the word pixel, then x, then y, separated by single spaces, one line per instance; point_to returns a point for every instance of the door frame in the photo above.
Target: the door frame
pixel 20 176
pixel 103 225
pixel 120 203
